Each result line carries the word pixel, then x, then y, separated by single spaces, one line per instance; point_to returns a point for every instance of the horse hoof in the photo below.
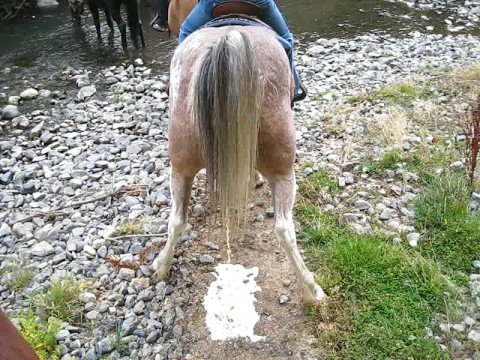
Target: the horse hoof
pixel 161 274
pixel 315 295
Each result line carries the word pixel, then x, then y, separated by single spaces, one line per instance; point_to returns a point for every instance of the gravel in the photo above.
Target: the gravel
pixel 113 132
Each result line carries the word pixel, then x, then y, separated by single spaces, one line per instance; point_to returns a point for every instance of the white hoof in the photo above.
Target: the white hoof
pixel 161 266
pixel 313 294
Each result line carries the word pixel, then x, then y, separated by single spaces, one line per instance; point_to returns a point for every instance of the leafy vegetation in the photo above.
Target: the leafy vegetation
pixel 40 335
pixel 117 94
pixel 131 227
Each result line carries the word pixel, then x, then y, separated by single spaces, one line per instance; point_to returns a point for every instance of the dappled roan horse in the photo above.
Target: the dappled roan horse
pixel 230 94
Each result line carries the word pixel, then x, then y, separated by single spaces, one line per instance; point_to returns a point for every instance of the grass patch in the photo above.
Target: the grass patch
pixel 384 298
pixel 17 277
pixel 119 345
pixel 381 295
pixel 398 94
pixel 451 231
pixel 131 227
pixel 41 335
pixel 61 301
pixel 316 184
pixel 307 164
pixel 393 127
pixel 467 78
pixel 424 162
pixel 444 202
pixel 390 160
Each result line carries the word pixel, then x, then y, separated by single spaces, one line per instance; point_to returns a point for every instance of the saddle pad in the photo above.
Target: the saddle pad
pixel 243 20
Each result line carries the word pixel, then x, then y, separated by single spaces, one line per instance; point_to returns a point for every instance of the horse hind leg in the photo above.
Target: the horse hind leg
pixel 181 187
pixel 120 23
pixel 134 22
pixel 283 189
pixel 96 19
pixel 108 16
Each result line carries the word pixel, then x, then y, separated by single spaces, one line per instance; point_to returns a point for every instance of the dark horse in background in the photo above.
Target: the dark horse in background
pixel 112 10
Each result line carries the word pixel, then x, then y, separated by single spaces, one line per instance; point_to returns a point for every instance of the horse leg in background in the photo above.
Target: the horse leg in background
pixel 96 18
pixel 283 188
pixel 134 22
pixel 109 18
pixel 180 187
pixel 120 23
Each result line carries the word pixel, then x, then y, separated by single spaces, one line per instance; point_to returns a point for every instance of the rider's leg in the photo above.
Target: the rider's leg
pixel 200 15
pixel 273 17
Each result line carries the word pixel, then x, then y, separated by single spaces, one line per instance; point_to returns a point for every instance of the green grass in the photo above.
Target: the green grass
pixel 40 335
pixel 307 164
pixel 61 301
pixel 382 296
pixel 18 277
pixel 119 345
pixel 443 203
pixel 390 160
pixel 423 162
pixel 117 94
pixel 316 184
pixel 398 94
pixel 451 232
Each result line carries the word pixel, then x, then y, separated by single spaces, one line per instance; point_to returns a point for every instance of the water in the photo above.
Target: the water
pixel 43 41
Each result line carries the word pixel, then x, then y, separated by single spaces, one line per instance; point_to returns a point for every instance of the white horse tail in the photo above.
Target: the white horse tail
pixel 224 104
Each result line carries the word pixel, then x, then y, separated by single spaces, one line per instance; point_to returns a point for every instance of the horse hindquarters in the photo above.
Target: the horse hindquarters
pixel 215 100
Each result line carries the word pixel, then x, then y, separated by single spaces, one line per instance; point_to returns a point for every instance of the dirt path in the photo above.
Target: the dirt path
pixel 285 326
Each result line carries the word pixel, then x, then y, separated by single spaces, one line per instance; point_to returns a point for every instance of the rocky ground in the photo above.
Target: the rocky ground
pixel 464 14
pixel 108 145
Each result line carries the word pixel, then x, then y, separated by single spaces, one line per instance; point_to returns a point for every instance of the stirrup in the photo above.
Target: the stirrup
pixel 299 97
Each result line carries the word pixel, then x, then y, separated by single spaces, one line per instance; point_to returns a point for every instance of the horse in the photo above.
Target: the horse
pixel 178 11
pixel 13 346
pixel 112 10
pixel 230 95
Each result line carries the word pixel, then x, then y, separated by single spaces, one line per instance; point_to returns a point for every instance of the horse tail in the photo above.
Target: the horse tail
pixel 224 105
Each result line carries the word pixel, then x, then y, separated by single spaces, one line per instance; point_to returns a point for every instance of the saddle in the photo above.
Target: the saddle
pixel 237 7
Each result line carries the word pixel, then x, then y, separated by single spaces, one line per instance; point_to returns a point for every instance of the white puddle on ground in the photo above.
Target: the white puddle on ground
pixel 230 303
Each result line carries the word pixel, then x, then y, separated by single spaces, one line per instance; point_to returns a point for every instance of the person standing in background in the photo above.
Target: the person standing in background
pixel 160 22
